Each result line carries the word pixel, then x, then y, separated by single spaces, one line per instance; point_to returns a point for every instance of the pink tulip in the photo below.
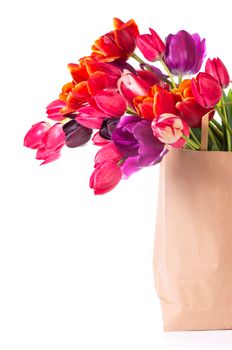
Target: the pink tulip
pixel 217 69
pixel 206 90
pixel 151 45
pixel 105 177
pixel 34 137
pixel 168 128
pixel 131 86
pixel 108 152
pixel 53 110
pixel 53 141
pixel 90 117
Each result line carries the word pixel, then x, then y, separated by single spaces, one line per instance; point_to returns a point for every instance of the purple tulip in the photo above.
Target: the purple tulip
pixel 108 126
pixel 75 134
pixel 134 138
pixel 184 53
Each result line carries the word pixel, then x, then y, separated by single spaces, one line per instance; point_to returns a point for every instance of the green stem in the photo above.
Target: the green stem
pixel 180 79
pixel 225 122
pixel 194 137
pixel 216 130
pixel 129 111
pixel 169 73
pixel 213 139
pixel 227 132
pixel 137 58
pixel 190 142
pixel 218 125
pixel 121 161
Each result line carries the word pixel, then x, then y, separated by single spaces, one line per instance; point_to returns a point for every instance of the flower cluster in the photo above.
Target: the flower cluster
pixel 136 108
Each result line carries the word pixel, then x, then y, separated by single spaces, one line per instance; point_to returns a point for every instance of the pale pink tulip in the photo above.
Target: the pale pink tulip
pixel 169 128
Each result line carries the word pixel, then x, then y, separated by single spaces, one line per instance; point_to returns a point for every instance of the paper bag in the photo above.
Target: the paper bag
pixel 193 242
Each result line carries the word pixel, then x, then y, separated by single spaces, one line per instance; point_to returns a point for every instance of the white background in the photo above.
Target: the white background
pixel 76 269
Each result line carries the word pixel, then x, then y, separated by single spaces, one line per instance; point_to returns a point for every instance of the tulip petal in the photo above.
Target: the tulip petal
pixel 76 134
pixel 34 137
pixel 164 102
pixel 105 177
pixel 90 117
pixel 129 167
pixel 111 103
pixel 98 140
pixel 54 110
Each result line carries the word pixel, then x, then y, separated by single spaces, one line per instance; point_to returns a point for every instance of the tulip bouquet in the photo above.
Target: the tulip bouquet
pixel 136 96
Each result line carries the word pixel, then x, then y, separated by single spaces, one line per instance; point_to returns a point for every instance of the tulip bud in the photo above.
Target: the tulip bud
pixel 151 45
pixel 206 90
pixel 168 128
pixel 105 177
pixel 217 69
pixel 76 134
pixel 34 137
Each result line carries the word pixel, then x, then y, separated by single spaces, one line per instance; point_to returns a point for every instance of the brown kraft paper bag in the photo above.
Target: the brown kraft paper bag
pixel 193 242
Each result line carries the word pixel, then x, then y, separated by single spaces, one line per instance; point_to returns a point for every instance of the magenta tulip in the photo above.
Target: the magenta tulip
pixel 130 86
pixel 217 69
pixel 151 46
pixel 105 177
pixel 206 90
pixel 34 137
pixel 168 128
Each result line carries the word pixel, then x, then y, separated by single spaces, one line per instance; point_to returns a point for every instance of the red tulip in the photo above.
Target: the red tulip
pixel 192 112
pixel 217 69
pixel 119 43
pixel 168 128
pixel 52 142
pixel 111 103
pixel 34 137
pixel 151 46
pixel 206 90
pixel 164 101
pixel 131 86
pixel 105 177
pixel 187 105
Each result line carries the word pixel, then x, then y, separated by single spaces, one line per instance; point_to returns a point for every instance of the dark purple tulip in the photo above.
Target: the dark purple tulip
pixel 76 134
pixel 108 126
pixel 134 138
pixel 184 53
